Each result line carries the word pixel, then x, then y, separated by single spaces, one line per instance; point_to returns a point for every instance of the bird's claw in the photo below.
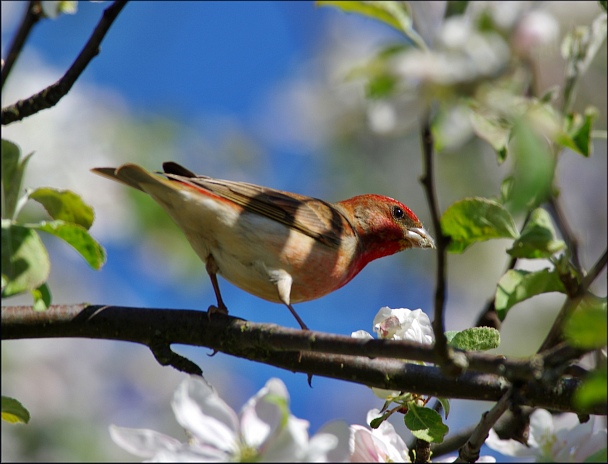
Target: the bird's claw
pixel 217 309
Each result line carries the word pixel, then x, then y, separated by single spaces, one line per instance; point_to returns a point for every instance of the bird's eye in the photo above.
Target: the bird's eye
pixel 398 212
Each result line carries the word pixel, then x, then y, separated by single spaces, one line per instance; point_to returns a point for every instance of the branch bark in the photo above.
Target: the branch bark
pixel 315 353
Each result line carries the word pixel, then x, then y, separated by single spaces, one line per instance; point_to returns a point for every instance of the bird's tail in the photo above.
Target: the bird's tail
pixel 133 175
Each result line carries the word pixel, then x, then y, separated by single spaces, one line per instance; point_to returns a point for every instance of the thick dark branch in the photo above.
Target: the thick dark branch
pixel 50 96
pixel 32 15
pixel 291 349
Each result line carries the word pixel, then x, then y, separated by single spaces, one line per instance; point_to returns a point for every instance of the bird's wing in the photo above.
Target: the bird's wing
pixel 311 216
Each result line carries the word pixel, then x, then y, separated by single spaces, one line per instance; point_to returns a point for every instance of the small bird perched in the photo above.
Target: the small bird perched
pixel 280 246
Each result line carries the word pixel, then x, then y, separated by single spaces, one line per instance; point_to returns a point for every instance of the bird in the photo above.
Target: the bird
pixel 280 246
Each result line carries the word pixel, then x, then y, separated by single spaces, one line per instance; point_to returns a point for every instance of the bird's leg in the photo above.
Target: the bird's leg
pixel 212 268
pixel 283 282
pixel 300 321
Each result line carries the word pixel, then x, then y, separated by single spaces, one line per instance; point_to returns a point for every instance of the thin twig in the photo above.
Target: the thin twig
pixel 428 181
pixel 32 14
pixel 488 317
pixel 50 96
pixel 569 236
pixel 451 443
pixel 571 303
pixel 470 451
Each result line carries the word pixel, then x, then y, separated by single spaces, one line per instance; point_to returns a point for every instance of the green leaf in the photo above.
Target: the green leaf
pixel 42 297
pixel 12 174
pixel 537 240
pixel 445 404
pixel 425 423
pixel 76 236
pixel 517 285
pixel 495 131
pixel 25 262
pixel 13 411
pixel 375 423
pixel 579 131
pixel 474 220
pixel 476 339
pixel 593 390
pixel 64 205
pixel 395 16
pixel 382 86
pixel 602 454
pixel 586 327
pixel 533 168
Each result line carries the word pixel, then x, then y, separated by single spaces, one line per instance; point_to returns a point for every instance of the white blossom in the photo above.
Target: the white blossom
pixel 399 324
pixel 558 438
pixel 377 445
pixel 264 430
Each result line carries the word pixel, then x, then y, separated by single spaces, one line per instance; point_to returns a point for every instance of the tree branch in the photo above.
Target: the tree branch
pixel 295 350
pixel 470 450
pixel 33 14
pixel 50 96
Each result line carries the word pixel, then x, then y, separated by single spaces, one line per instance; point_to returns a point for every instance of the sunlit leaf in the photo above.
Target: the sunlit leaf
pixel 76 236
pixel 64 205
pixel 474 220
pixel 25 261
pixel 13 411
pixel 518 285
pixel 396 16
pixel 476 339
pixel 42 297
pixel 12 174
pixel 425 423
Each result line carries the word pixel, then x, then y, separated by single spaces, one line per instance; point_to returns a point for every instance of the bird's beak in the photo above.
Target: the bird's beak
pixel 419 238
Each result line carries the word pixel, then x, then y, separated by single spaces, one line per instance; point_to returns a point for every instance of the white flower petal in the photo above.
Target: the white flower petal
pixel 361 334
pixel 557 438
pixel 330 443
pixel 289 443
pixel 509 447
pixel 363 446
pixel 263 414
pixel 189 453
pixel 396 447
pixel 205 415
pixel 382 314
pixel 142 442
